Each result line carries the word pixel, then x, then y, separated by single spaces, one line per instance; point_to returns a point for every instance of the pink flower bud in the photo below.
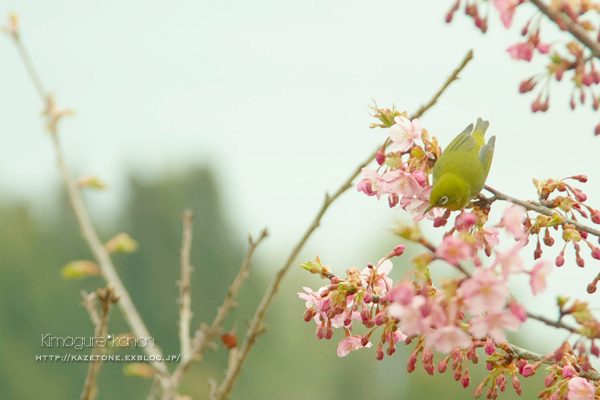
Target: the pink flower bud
pixel 550 379
pixel 527 86
pixel 393 200
pixel 490 347
pixel 328 332
pixel 379 352
pixel 442 366
pixel 595 215
pixel 320 332
pixel 591 288
pixel 380 157
pixel 594 350
pixel 465 380
pixel 308 314
pixel 596 253
pixel 391 350
pixel 528 371
pixel 560 260
pixel 380 318
pixel 515 382
pixel 427 355
pixel 580 261
pixel 568 371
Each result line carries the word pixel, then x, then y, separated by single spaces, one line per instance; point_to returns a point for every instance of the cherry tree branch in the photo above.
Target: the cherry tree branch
pixel 185 300
pixel 107 298
pixel 574 28
pixel 256 325
pixel 542 210
pixel 89 233
pixel 204 336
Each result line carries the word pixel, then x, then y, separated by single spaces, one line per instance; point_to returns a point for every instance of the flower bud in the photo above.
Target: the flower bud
pixel 527 86
pixel 465 380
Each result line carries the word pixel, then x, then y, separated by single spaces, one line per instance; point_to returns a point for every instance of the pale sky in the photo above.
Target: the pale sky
pixel 274 95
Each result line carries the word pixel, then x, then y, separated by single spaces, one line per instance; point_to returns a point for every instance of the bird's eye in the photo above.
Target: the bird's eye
pixel 443 200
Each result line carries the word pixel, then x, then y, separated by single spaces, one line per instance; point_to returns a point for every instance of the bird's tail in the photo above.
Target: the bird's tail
pixel 480 127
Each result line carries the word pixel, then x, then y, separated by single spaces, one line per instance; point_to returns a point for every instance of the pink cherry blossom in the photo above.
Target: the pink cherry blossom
pixel 513 219
pixel 453 250
pixel 447 338
pixel 540 271
pixel 493 325
pixel 510 261
pixel 403 133
pixel 484 291
pixel 402 183
pixel 398 336
pixel 402 294
pixel 580 389
pixel 518 310
pixel 377 277
pixel 377 183
pixel 349 344
pixel 521 51
pixel 410 316
pixel 506 8
pixel 465 221
pixel 543 48
pixel 366 187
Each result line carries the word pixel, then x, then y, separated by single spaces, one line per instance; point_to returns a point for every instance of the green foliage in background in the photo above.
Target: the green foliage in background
pixel 288 362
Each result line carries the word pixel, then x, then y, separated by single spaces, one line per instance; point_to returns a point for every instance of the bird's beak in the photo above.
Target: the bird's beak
pixel 428 209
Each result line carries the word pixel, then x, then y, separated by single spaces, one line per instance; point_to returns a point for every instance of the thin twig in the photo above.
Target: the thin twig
pixel 204 337
pixel 256 325
pixel 557 324
pixel 90 235
pixel 185 300
pixel 30 69
pixel 574 28
pixel 542 210
pixel 107 298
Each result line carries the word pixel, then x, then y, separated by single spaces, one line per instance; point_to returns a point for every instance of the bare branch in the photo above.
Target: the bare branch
pixel 185 301
pixel 256 325
pixel 107 298
pixel 204 337
pixel 89 233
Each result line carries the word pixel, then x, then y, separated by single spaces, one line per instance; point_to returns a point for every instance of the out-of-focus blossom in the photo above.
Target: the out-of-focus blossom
pixel 484 291
pixel 521 51
pixel 510 261
pixel 447 338
pixel 453 250
pixel 410 316
pixel 540 271
pixel 506 8
pixel 580 389
pixel 403 134
pixel 494 325
pixel 513 219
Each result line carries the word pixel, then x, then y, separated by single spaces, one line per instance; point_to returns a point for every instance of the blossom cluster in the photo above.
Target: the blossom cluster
pixel 469 312
pixel 563 55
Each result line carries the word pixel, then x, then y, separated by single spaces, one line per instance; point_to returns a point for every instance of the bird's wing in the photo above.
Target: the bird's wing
pixel 463 142
pixel 486 152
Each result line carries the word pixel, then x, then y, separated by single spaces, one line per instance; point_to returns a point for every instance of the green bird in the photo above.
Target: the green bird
pixel 461 170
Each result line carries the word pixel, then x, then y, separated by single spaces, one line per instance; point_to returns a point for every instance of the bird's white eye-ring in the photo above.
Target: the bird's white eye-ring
pixel 443 200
